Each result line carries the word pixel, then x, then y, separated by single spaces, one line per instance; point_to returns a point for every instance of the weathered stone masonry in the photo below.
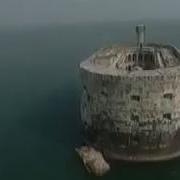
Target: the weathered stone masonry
pixel 131 101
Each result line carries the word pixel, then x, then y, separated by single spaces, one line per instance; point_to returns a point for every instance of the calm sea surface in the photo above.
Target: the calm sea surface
pixel 39 99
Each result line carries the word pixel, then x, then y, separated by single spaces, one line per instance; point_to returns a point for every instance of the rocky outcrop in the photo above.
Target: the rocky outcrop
pixel 93 160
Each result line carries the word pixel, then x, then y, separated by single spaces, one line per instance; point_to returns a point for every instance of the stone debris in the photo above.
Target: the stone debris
pixel 93 160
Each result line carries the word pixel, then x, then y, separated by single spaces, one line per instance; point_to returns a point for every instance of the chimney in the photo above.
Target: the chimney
pixel 140 31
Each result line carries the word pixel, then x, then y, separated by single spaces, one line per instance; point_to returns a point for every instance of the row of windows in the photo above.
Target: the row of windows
pixel 140 57
pixel 138 98
pixel 136 117
pixel 166 96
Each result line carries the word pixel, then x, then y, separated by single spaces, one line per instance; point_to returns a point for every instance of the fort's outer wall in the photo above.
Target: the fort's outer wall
pixel 131 112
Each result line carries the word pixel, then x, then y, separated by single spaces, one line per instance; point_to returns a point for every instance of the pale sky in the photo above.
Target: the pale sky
pixel 22 12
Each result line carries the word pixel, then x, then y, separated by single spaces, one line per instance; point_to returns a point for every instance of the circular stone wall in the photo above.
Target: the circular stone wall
pixel 131 115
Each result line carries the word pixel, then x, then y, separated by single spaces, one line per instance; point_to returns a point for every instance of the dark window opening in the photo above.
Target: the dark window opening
pixel 151 57
pixel 168 96
pixel 104 93
pixel 149 61
pixel 129 58
pixel 141 124
pixel 134 57
pixel 128 68
pixel 136 139
pixel 88 97
pixel 135 98
pixel 84 87
pixel 148 57
pixel 167 116
pixel 141 45
pixel 140 57
pixel 134 117
pixel 85 124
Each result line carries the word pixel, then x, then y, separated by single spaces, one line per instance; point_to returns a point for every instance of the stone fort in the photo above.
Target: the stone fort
pixel 130 106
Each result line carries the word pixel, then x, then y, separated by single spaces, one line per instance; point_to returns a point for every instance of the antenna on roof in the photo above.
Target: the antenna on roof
pixel 140 31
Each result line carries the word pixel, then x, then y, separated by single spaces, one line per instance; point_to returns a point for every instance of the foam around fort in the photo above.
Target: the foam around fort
pixel 130 103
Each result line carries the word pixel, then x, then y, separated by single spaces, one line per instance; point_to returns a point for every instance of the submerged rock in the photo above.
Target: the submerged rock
pixel 93 160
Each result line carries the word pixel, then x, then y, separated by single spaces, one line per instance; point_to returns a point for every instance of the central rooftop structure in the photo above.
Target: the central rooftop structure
pixel 120 58
pixel 130 104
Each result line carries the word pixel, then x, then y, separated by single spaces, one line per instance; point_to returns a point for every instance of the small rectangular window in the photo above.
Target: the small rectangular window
pixel 134 117
pixel 129 58
pixel 168 96
pixel 135 98
pixel 167 116
pixel 134 57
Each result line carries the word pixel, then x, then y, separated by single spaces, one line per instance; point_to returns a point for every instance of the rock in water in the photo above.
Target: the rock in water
pixel 93 160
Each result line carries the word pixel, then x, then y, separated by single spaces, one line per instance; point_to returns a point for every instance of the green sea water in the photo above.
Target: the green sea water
pixel 39 99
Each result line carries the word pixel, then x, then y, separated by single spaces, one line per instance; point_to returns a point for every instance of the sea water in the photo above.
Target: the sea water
pixel 40 94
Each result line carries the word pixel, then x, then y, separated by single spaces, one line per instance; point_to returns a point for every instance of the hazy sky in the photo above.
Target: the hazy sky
pixel 22 12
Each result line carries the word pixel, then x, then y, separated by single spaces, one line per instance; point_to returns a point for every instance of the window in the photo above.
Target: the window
pixel 134 57
pixel 149 61
pixel 167 116
pixel 134 117
pixel 84 87
pixel 135 98
pixel 129 68
pixel 88 97
pixel 151 57
pixel 104 93
pixel 148 57
pixel 168 96
pixel 85 124
pixel 129 58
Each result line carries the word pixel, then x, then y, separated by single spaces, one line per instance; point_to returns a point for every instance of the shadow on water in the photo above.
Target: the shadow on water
pixel 42 142
pixel 140 171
